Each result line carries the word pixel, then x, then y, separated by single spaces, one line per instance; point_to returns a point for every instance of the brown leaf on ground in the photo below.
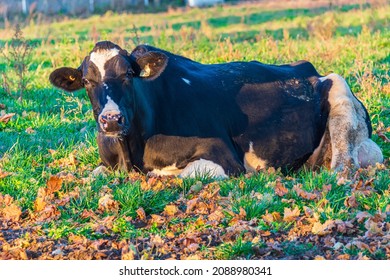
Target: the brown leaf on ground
pixel 40 202
pixel 129 252
pixel 30 130
pixel 77 239
pixel 326 188
pixel 350 201
pixel 361 216
pixel 280 189
pixel 191 204
pixel 304 194
pixel 4 174
pixel 242 214
pixel 71 160
pixel 53 184
pixel 157 219
pixel 268 218
pixel 156 241
pixel 171 210
pixel 108 204
pixel 141 214
pixel 5 118
pixel 88 214
pixel 291 215
pixel 373 228
pixel 216 216
pixel 50 212
pixel 343 257
pixel 11 212
pixel 323 229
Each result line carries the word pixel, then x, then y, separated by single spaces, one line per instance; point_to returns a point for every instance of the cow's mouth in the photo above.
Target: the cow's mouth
pixel 112 125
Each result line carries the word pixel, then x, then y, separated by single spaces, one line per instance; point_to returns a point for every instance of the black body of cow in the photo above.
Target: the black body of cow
pixel 159 112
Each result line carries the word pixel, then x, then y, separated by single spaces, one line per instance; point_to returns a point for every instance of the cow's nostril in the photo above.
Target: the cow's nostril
pixel 111 121
pixel 121 119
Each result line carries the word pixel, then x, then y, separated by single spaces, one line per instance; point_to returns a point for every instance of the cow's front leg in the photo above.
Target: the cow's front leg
pixel 114 152
pixel 349 127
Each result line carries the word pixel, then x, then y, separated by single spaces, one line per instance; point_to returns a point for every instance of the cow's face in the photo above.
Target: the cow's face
pixel 107 75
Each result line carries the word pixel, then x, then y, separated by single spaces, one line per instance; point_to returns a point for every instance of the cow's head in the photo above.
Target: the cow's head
pixel 107 75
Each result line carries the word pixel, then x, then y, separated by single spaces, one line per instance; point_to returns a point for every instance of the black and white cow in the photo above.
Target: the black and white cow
pixel 165 114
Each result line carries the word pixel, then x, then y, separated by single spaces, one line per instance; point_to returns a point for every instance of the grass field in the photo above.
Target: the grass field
pixel 52 208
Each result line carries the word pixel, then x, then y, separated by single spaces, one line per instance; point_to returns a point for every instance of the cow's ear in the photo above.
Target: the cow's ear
pixel 152 64
pixel 69 79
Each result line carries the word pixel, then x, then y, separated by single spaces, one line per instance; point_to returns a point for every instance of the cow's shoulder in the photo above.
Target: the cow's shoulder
pixel 303 68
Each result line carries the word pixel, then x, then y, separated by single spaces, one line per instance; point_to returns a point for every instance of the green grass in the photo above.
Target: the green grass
pixel 53 133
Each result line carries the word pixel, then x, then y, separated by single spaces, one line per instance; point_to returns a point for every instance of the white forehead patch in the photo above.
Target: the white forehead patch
pixel 100 57
pixel 110 106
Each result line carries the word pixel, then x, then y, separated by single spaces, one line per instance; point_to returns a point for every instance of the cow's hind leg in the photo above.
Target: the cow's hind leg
pixel 350 128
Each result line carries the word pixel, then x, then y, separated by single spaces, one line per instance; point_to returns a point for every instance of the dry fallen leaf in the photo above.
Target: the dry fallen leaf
pixel 40 202
pixel 191 205
pixel 171 210
pixel 5 118
pixel 216 216
pixel 4 174
pixel 323 229
pixel 53 185
pixel 280 189
pixel 344 257
pixel 141 214
pixel 156 241
pixel 129 252
pixel 158 220
pixel 108 204
pixel 291 215
pixel 350 201
pixel 304 194
pixel 12 212
pixel 30 130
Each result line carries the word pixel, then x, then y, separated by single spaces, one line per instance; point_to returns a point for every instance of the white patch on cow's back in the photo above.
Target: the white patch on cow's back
pixel 201 168
pixel 252 162
pixel 110 106
pixel 100 57
pixel 188 82
pixel 170 170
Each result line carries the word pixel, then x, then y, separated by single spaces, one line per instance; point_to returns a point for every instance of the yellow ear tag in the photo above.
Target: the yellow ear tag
pixel 72 78
pixel 145 72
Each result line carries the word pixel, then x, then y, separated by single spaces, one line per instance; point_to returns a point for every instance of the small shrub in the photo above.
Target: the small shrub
pixel 18 55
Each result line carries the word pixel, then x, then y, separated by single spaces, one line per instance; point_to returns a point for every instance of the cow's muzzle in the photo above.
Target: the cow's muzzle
pixel 112 123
